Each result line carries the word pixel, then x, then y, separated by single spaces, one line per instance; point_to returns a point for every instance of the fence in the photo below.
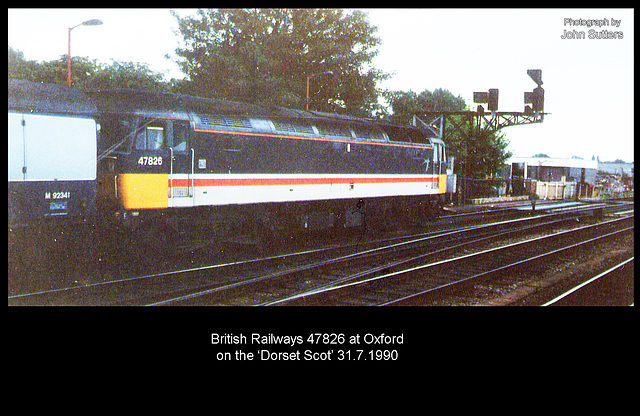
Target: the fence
pixel 556 190
pixel 498 187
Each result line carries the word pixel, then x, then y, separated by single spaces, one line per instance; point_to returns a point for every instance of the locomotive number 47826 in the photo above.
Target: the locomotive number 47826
pixel 150 160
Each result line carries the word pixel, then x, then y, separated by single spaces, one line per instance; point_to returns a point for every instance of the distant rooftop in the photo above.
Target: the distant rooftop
pixel 555 161
pixel 619 168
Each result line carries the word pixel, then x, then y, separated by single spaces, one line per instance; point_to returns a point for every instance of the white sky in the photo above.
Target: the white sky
pixel 588 83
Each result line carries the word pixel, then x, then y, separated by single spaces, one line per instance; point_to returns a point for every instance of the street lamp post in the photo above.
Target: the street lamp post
pixel 311 76
pixel 93 22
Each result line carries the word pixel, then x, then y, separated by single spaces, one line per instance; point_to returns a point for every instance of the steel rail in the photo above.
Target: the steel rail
pixel 419 297
pixel 307 296
pixel 593 279
pixel 470 242
pixel 228 267
pixel 466 237
pixel 406 243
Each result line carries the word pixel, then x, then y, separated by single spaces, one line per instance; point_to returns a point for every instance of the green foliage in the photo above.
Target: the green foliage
pixel 404 103
pixel 126 75
pixel 484 153
pixel 487 154
pixel 263 56
pixel 86 74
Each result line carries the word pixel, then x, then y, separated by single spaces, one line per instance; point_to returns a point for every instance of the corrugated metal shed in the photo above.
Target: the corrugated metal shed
pixel 555 162
pixel 554 169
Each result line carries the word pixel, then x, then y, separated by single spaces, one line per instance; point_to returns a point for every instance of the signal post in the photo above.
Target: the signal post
pixel 470 123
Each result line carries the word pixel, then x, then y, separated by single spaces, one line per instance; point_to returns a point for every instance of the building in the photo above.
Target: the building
pixel 616 168
pixel 615 179
pixel 551 178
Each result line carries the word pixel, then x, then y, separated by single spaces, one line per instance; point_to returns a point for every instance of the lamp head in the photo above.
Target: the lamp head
pixel 93 22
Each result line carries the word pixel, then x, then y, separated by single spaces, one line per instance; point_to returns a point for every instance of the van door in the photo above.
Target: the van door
pixel 17 161
pixel 436 158
pixel 181 175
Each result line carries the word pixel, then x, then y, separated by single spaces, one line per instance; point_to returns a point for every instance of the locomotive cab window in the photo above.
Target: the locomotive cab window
pixel 180 134
pixel 113 133
pixel 150 137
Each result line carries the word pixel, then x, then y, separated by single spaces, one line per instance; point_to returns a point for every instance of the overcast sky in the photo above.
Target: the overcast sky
pixel 588 82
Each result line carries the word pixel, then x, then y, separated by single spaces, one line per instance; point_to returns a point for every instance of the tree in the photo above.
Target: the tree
pixel 86 74
pixel 403 104
pixel 126 75
pixel 263 56
pixel 487 154
pixel 19 68
pixel 484 154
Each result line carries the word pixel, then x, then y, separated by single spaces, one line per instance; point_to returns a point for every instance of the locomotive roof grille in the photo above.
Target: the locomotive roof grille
pixel 292 126
pixel 226 121
pixel 327 128
pixel 368 132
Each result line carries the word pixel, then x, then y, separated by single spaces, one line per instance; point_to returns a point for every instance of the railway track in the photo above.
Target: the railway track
pixel 431 282
pixel 118 258
pixel 613 287
pixel 246 283
pixel 282 286
pixel 134 287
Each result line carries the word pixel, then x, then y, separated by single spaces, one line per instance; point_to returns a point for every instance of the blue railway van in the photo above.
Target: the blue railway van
pixel 52 152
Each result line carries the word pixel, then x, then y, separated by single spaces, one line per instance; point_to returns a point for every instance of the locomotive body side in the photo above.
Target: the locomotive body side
pixel 185 159
pixel 248 167
pixel 166 156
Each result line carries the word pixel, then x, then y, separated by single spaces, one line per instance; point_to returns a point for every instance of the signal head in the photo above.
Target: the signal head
pixel 536 75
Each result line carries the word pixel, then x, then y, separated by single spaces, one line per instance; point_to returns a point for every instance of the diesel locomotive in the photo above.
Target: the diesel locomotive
pixel 167 165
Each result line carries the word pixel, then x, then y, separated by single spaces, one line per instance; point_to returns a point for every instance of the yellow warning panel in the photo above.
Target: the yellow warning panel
pixel 443 184
pixel 143 190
